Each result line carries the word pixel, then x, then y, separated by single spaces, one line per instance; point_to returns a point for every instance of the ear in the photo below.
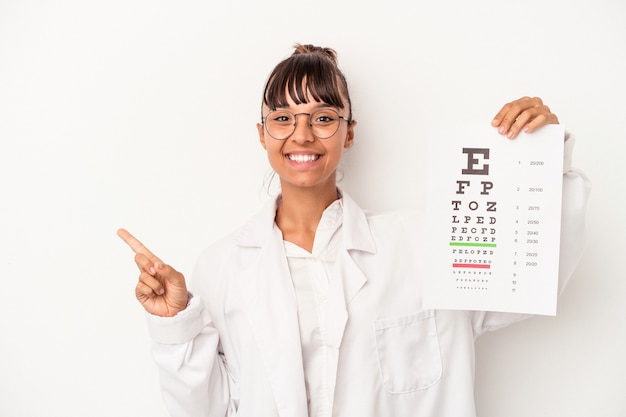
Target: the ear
pixel 259 127
pixel 347 144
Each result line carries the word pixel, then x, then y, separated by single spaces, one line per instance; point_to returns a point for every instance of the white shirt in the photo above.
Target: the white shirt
pixel 311 273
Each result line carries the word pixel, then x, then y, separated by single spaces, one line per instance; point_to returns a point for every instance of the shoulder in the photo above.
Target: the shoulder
pixel 380 221
pixel 250 235
pixel 389 231
pixel 408 217
pixel 217 251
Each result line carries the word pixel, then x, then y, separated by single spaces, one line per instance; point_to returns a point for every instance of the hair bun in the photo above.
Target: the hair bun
pixel 312 49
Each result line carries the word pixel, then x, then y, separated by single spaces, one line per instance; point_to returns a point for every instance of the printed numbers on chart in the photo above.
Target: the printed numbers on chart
pixel 526 236
pixel 515 243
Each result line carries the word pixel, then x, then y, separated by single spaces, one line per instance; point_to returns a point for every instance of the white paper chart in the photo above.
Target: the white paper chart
pixel 494 210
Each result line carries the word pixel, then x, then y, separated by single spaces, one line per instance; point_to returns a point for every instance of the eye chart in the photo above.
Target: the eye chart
pixel 494 211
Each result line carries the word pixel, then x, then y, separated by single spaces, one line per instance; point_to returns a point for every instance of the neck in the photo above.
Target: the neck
pixel 300 212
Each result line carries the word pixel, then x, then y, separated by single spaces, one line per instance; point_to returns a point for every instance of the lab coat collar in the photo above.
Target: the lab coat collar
pixel 270 304
pixel 356 236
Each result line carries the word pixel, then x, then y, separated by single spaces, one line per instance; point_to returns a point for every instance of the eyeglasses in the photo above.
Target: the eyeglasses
pixel 280 124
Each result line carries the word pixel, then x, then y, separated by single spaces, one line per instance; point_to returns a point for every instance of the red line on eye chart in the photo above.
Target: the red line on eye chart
pixel 480 266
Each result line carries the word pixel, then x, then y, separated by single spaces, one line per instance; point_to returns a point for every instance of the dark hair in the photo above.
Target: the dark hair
pixel 317 67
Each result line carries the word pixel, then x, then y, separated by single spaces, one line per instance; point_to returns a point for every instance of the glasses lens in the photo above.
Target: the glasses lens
pixel 324 123
pixel 280 124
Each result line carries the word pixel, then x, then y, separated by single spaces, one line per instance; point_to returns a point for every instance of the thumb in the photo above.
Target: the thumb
pixel 168 274
pixel 174 283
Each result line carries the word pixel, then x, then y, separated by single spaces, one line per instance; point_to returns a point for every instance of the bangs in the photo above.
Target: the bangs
pixel 303 75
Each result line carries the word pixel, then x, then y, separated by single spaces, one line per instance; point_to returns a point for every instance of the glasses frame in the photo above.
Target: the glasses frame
pixel 295 122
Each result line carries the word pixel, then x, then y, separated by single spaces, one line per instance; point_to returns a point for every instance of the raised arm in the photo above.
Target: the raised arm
pixel 193 373
pixel 529 114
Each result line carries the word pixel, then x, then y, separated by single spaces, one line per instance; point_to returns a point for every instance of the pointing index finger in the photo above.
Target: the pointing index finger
pixel 136 245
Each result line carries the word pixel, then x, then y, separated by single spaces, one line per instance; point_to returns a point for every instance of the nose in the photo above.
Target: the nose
pixel 302 128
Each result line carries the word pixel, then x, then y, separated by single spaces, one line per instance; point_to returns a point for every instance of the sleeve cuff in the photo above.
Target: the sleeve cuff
pixel 181 328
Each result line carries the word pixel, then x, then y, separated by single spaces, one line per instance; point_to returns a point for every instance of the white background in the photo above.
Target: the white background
pixel 141 114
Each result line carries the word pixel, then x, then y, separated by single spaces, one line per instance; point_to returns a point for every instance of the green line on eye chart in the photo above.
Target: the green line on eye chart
pixel 480 245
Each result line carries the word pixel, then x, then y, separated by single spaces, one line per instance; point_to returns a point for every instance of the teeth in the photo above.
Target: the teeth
pixel 303 158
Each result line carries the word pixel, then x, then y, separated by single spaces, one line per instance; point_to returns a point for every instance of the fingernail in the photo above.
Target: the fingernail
pixel 159 266
pixel 152 270
pixel 510 135
pixel 501 130
pixel 161 291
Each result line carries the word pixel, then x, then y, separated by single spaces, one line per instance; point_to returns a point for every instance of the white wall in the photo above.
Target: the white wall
pixel 142 114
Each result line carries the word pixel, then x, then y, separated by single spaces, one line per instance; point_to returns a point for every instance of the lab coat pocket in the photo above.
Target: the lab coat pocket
pixel 408 352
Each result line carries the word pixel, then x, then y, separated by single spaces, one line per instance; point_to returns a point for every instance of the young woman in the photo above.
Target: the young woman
pixel 313 308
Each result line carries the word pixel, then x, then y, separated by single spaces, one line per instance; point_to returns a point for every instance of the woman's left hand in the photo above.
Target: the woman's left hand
pixel 527 114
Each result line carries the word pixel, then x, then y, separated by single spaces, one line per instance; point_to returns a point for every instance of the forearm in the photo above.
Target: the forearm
pixel 576 188
pixel 194 379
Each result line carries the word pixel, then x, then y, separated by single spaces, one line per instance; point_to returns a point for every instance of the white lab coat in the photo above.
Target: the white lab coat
pixel 236 349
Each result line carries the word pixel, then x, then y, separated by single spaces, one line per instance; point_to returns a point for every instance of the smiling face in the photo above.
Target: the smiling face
pixel 302 160
pixel 305 82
